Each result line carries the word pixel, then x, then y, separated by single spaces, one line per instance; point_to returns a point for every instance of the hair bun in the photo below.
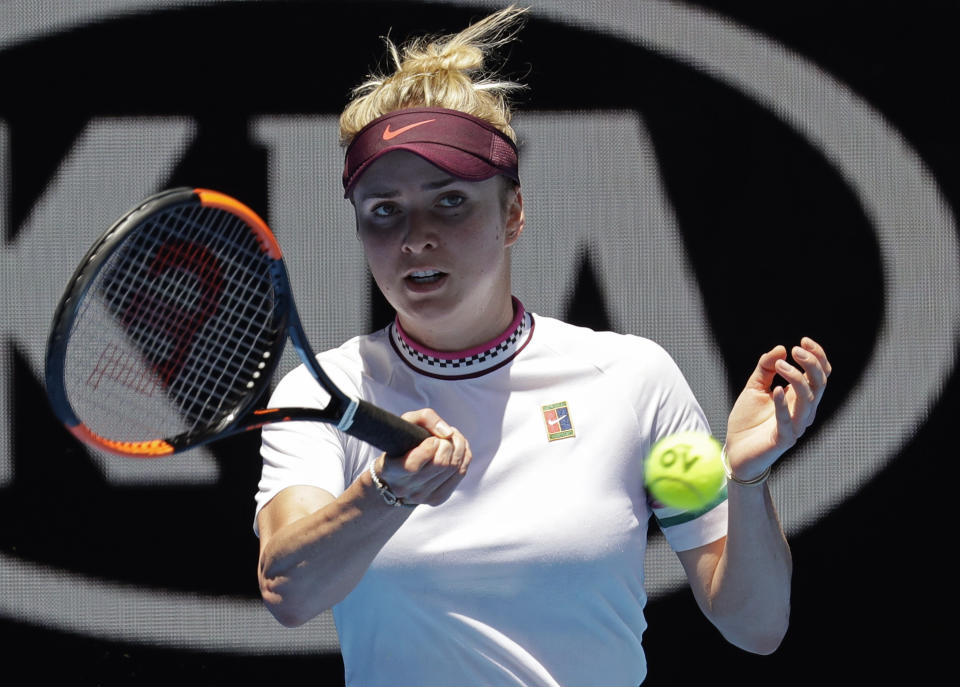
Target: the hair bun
pixel 443 72
pixel 443 58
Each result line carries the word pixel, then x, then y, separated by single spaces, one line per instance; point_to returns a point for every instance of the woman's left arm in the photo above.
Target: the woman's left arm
pixel 742 582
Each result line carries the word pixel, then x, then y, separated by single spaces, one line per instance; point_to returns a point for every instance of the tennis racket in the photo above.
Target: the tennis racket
pixel 171 327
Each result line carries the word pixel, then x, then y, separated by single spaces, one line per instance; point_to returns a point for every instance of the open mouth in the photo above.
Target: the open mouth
pixel 426 276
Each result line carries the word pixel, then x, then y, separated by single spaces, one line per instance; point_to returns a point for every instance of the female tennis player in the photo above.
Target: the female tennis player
pixel 508 547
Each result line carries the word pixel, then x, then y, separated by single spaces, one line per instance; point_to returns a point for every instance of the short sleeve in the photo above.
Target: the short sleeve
pixel 685 530
pixel 299 453
pixel 677 410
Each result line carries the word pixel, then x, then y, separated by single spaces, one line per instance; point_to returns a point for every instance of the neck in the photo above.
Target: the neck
pixel 483 329
pixel 468 363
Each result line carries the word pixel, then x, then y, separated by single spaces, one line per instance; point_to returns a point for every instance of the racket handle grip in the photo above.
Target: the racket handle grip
pixel 385 430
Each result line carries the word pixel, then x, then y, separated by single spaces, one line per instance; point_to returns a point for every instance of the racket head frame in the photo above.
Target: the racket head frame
pixel 357 417
pixel 83 277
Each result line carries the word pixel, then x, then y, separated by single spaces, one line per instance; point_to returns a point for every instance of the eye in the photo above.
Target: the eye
pixel 451 200
pixel 384 210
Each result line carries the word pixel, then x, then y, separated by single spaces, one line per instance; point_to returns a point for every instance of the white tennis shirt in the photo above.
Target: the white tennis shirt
pixel 532 572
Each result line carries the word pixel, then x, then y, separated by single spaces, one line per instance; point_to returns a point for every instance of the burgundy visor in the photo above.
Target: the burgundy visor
pixel 463 145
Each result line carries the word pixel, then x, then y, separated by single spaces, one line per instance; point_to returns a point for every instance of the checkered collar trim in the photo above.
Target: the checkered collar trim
pixel 465 364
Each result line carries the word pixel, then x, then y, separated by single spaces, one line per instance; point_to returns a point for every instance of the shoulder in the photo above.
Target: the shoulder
pixel 634 369
pixel 346 365
pixel 607 351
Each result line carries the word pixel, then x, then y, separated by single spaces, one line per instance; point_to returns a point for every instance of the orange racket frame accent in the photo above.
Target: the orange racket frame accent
pixel 362 420
pixel 157 448
pixel 215 199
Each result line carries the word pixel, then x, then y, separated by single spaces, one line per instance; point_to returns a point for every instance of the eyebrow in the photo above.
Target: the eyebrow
pixel 429 186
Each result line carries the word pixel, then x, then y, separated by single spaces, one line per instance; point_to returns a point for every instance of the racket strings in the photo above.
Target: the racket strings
pixel 178 326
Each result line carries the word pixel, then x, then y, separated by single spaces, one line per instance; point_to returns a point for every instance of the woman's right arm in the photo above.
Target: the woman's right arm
pixel 314 548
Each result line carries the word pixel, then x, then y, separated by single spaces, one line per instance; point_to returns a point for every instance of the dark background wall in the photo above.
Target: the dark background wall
pixel 835 222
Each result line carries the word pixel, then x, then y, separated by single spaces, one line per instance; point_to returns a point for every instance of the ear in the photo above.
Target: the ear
pixel 515 220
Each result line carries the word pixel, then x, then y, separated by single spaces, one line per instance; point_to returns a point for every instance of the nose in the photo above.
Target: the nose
pixel 420 235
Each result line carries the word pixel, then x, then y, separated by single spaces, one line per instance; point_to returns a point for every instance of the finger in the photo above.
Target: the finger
pixel 439 489
pixel 766 369
pixel 786 431
pixel 451 454
pixel 817 351
pixel 462 455
pixel 805 398
pixel 437 477
pixel 813 368
pixel 443 453
pixel 415 479
pixel 431 482
pixel 415 459
pixel 429 419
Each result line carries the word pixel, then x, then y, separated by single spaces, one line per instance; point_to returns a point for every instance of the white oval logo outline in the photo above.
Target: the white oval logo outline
pixel 854 137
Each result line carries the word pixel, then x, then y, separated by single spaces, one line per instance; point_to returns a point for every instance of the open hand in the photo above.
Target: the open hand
pixel 767 420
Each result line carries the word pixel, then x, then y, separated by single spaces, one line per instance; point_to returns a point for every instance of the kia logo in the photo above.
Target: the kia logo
pixel 672 191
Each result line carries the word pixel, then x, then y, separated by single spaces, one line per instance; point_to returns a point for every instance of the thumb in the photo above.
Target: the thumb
pixel 766 370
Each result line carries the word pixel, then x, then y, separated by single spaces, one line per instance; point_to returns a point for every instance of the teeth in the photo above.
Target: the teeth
pixel 425 276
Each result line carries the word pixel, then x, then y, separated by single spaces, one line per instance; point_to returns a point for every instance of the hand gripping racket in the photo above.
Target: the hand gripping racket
pixel 171 327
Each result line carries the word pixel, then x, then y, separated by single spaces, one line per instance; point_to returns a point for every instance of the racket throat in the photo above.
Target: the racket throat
pixel 346 420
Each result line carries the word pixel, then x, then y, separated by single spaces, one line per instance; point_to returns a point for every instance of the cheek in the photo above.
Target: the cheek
pixel 487 233
pixel 376 254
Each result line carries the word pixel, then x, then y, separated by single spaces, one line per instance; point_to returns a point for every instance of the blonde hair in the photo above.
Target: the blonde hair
pixel 446 71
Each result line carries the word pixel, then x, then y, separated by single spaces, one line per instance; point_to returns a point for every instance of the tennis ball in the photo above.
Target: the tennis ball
pixel 685 470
